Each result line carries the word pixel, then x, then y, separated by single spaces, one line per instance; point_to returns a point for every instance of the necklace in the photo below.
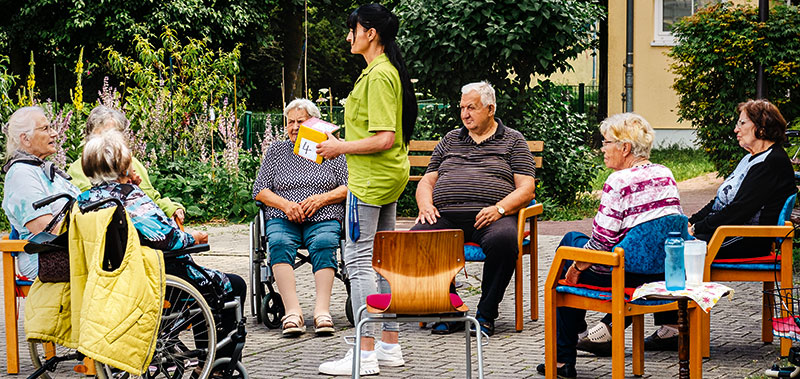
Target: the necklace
pixel 640 162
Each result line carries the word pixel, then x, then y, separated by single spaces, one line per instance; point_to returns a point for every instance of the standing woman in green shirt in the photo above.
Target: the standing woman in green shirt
pixel 379 119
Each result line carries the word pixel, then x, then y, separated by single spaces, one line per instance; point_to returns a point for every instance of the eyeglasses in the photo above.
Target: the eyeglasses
pixel 47 128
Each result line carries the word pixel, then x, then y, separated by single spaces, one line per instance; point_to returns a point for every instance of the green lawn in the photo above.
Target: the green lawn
pixel 684 163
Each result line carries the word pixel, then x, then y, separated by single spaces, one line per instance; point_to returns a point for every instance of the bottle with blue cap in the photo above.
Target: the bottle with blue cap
pixel 674 269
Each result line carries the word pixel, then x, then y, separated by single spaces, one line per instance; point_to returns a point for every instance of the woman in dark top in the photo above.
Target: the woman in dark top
pixel 755 192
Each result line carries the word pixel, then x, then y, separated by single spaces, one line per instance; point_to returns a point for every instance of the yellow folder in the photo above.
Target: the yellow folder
pixel 311 133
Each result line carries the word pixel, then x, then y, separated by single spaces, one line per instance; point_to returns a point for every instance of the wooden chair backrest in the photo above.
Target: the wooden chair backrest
pixel 419 266
pixel 427 147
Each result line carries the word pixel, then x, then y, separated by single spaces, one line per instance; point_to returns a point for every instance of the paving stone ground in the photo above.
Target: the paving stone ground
pixel 736 349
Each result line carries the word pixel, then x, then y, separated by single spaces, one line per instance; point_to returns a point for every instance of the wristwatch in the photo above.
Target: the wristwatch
pixel 500 210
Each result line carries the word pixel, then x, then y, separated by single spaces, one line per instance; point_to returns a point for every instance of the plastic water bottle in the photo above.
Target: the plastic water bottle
pixel 674 270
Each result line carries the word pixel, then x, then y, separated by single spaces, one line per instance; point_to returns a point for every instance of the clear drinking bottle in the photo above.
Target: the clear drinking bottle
pixel 674 270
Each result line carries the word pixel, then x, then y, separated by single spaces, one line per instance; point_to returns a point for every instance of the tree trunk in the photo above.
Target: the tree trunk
pixel 292 26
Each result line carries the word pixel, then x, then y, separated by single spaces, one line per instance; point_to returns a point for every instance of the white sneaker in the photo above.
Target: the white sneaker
pixel 391 357
pixel 344 366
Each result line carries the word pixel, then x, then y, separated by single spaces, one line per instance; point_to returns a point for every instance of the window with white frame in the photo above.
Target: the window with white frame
pixel 668 12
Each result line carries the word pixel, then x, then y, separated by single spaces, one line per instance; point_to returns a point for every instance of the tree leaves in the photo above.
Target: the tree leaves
pixel 715 65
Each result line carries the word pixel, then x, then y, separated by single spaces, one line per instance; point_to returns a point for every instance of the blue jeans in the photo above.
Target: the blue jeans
pixel 320 238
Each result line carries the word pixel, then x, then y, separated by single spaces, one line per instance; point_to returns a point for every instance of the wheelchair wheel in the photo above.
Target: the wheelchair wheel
pixel 187 337
pixel 41 351
pixel 272 310
pixel 239 371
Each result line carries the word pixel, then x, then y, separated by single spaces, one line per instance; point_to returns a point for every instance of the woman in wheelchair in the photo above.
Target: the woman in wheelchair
pixel 29 178
pixel 106 160
pixel 304 208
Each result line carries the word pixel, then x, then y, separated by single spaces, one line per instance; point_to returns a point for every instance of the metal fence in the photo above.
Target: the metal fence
pixel 256 125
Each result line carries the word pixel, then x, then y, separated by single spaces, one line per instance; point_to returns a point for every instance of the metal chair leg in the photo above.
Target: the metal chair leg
pixel 469 349
pixel 356 371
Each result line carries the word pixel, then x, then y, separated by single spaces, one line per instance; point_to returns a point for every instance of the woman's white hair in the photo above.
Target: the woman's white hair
pixel 484 89
pixel 105 157
pixel 100 115
pixel 22 121
pixel 631 128
pixel 304 104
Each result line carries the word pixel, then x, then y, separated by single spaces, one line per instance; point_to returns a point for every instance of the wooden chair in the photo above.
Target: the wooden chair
pixel 526 246
pixel 650 252
pixel 419 266
pixel 13 289
pixel 767 272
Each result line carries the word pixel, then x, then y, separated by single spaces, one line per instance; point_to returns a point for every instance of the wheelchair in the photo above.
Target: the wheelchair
pixel 186 341
pixel 265 302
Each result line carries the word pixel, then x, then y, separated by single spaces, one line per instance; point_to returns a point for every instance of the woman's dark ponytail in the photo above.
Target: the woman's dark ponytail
pixel 387 24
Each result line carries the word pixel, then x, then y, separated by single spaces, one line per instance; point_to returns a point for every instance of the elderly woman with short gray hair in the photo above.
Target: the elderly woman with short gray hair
pixel 636 192
pixel 101 119
pixel 304 208
pixel 29 178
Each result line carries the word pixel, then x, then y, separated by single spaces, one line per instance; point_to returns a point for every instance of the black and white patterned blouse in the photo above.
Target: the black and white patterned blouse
pixel 295 178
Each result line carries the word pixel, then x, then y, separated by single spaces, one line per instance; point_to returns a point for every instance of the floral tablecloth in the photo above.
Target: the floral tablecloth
pixel 706 294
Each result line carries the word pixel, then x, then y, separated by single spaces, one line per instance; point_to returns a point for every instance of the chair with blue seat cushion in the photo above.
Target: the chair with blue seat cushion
pixel 641 251
pixel 766 272
pixel 527 244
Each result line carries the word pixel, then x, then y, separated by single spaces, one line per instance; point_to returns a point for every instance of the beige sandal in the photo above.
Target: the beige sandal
pixel 323 324
pixel 293 325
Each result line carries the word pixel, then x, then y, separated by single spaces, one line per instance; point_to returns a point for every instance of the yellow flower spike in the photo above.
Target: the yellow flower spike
pixel 77 96
pixel 31 83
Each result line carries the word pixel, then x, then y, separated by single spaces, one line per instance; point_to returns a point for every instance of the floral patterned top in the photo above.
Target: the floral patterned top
pixel 156 230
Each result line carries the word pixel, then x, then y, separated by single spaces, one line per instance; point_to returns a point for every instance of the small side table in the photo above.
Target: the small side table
pixel 707 292
pixel 683 331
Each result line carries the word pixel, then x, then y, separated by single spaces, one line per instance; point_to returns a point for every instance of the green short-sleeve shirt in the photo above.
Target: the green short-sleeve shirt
pixel 374 105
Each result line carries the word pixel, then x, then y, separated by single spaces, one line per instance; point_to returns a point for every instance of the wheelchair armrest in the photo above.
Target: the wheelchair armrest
pixel 187 250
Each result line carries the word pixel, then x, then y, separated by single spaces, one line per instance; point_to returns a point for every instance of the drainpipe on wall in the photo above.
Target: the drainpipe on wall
pixel 629 58
pixel 761 81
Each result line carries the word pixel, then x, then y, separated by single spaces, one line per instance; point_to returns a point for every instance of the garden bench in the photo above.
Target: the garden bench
pixel 419 155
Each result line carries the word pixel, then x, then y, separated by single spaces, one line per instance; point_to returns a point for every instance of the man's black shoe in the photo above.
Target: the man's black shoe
pixel 487 326
pixel 567 371
pixel 656 343
pixel 447 327
pixel 600 349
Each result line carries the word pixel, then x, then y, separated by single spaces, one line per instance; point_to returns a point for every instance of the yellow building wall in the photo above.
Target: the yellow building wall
pixel 653 97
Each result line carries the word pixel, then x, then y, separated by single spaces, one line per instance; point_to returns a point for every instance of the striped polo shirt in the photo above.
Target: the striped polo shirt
pixel 476 175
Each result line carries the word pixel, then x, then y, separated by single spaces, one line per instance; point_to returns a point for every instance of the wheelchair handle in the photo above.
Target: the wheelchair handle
pixel 97 204
pixel 187 250
pixel 50 199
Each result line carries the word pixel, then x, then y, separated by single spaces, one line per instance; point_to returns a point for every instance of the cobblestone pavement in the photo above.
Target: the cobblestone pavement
pixel 736 349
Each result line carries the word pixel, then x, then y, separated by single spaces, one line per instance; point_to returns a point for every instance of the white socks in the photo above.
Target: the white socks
pixel 388 346
pixel 667 331
pixel 599 333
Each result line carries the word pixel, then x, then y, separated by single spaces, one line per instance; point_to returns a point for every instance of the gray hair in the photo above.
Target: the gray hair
pixel 304 104
pixel 100 115
pixel 22 121
pixel 482 88
pixel 105 157
pixel 631 128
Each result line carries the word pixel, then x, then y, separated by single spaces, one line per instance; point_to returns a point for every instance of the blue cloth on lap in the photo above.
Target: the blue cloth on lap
pixel 644 243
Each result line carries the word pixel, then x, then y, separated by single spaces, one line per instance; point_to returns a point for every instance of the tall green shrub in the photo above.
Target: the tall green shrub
pixel 568 167
pixel 716 60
